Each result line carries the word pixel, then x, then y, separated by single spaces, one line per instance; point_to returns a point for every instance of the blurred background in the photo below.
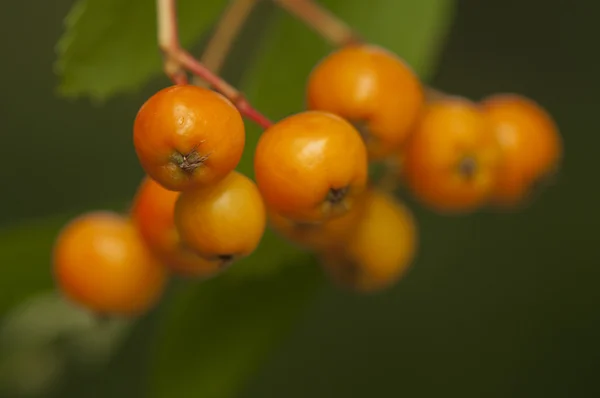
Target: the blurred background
pixel 497 305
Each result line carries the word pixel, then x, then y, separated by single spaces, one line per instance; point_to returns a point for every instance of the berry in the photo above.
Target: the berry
pixel 318 236
pixel 224 221
pixel 153 214
pixel 380 250
pixel 450 161
pixel 310 167
pixel 101 262
pixel 372 88
pixel 531 146
pixel 187 136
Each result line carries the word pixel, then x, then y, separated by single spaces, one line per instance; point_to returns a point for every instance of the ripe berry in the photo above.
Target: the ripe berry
pixel 223 221
pixel 186 136
pixel 311 166
pixel 450 161
pixel 381 248
pixel 530 143
pixel 372 88
pixel 101 262
pixel 318 236
pixel 153 213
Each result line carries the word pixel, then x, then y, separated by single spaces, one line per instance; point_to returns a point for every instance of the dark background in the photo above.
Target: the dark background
pixel 497 305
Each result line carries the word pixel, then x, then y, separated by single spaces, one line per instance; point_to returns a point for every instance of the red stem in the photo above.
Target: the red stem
pixel 177 60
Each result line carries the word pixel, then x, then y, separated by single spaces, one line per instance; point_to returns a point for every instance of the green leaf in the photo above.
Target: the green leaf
pixel 110 46
pixel 215 335
pixel 218 331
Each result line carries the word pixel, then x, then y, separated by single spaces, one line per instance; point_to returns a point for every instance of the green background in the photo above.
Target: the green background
pixel 497 305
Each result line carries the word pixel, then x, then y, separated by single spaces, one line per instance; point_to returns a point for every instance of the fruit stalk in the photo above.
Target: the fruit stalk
pixel 325 23
pixel 178 60
pixel 226 32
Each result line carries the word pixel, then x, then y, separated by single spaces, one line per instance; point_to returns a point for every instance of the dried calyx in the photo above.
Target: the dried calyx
pixel 189 162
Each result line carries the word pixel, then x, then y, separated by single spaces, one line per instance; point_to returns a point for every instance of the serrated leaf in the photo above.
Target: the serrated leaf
pixel 110 46
pixel 195 358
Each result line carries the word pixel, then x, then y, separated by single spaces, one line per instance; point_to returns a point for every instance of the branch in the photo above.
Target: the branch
pixel 225 34
pixel 325 23
pixel 178 60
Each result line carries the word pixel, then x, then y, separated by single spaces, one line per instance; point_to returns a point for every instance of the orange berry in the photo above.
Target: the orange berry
pixel 311 166
pixel 187 136
pixel 224 221
pixel 101 262
pixel 531 146
pixel 372 88
pixel 450 161
pixel 317 236
pixel 153 213
pixel 381 248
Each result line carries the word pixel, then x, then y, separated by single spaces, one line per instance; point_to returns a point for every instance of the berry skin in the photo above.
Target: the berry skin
pixel 531 146
pixel 153 214
pixel 186 136
pixel 372 88
pixel 451 159
pixel 101 262
pixel 318 236
pixel 224 221
pixel 310 167
pixel 380 250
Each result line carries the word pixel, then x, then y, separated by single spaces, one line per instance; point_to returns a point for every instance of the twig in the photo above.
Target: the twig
pixel 329 26
pixel 227 30
pixel 178 60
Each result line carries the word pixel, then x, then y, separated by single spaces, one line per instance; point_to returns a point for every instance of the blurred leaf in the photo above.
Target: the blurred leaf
pixel 25 253
pixel 217 332
pixel 110 46
pixel 41 335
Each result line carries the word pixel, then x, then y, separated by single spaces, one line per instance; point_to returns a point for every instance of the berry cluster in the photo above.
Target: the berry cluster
pixel 195 215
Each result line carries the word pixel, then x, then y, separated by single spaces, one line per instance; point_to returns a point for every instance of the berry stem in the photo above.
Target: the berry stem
pixel 178 60
pixel 226 32
pixel 328 25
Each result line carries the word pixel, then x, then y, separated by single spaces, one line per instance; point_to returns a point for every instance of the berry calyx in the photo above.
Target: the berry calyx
pixel 320 236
